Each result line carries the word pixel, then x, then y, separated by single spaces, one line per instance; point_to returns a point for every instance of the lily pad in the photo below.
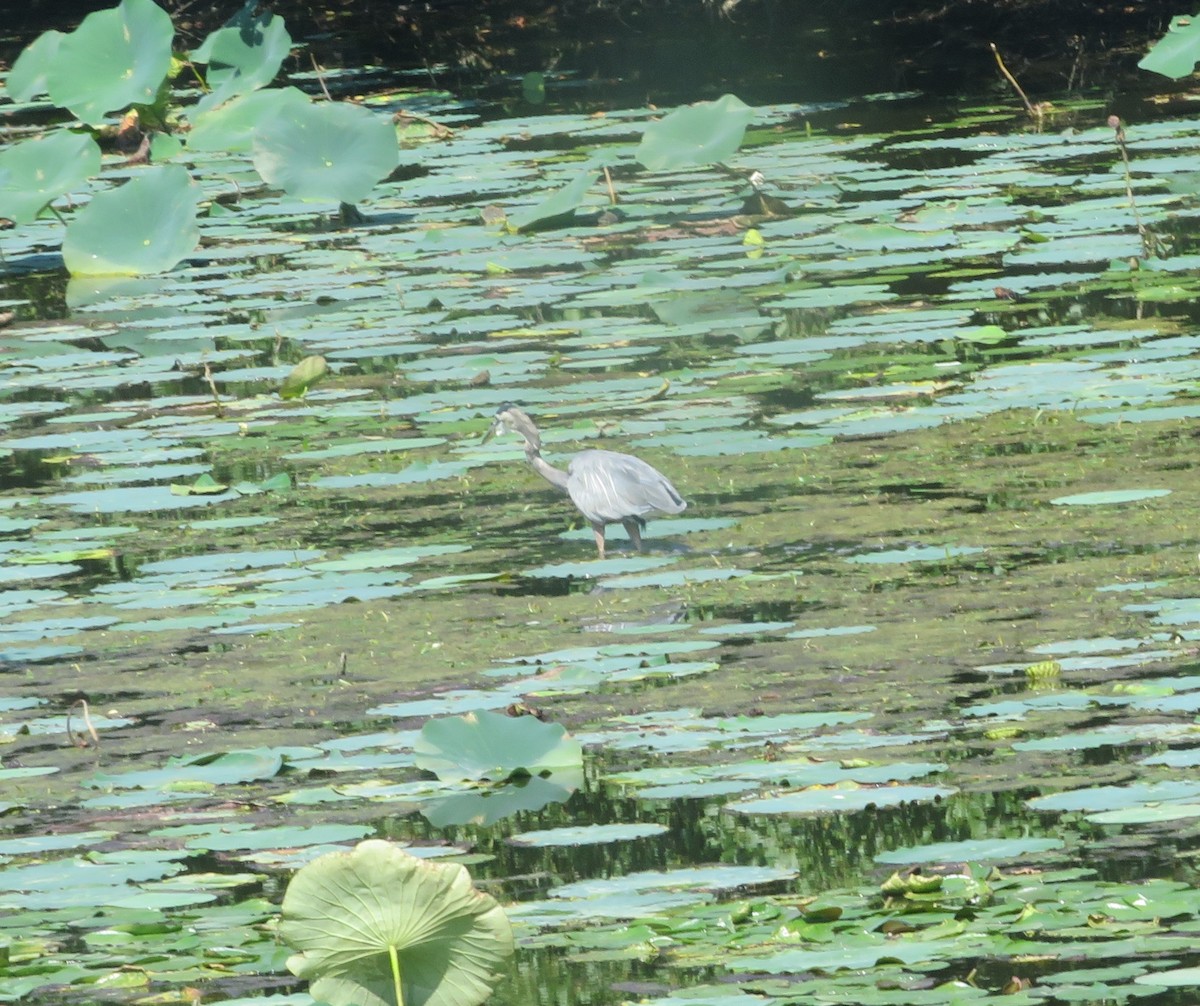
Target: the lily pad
pixel 592 834
pixel 977 850
pixel 1106 497
pixel 839 798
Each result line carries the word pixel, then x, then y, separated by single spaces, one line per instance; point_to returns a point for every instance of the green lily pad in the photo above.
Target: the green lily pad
pixel 980 850
pixel 202 771
pixel 1171 978
pixel 838 798
pixel 1108 496
pixel 592 834
pixel 917 553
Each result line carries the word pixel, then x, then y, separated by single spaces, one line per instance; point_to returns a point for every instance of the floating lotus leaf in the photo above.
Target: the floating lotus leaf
pixel 1175 978
pixel 916 553
pixel 1108 496
pixel 487 745
pixel 971 850
pixel 588 834
pixel 35 173
pixel 377 926
pixel 148 225
pixel 115 58
pixel 698 134
pixel 325 152
pixel 221 769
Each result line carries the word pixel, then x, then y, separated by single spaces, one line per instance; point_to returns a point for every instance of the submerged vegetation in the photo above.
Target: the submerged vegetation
pixel 902 709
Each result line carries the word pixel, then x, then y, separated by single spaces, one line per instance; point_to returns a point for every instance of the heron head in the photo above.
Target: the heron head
pixel 512 419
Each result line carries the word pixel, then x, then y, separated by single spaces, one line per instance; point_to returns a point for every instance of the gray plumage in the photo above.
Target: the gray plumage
pixel 607 487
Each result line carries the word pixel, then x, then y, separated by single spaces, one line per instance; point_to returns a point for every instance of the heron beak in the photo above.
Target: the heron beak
pixel 495 428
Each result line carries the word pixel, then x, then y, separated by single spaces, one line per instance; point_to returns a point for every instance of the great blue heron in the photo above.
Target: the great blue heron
pixel 607 487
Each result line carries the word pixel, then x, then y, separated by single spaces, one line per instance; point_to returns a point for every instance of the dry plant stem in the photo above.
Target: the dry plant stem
pixel 87 722
pixel 440 131
pixel 320 77
pixel 1033 114
pixel 612 192
pixel 1148 240
pixel 212 386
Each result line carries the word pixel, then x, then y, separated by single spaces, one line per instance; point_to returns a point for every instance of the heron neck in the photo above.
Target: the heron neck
pixel 555 476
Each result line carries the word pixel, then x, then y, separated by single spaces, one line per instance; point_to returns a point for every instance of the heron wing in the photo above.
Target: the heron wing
pixel 608 486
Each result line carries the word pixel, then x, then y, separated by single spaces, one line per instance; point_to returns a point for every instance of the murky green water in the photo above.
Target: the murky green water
pixel 931 605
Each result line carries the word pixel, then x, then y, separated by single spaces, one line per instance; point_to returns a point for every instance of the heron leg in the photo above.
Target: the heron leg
pixel 598 531
pixel 634 531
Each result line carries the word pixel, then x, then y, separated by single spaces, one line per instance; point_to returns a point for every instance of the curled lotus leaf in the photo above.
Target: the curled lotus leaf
pixel 243 55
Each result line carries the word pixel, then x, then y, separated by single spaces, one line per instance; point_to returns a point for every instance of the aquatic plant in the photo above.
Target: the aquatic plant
pixel 1175 54
pixel 376 926
pixel 492 746
pixel 120 60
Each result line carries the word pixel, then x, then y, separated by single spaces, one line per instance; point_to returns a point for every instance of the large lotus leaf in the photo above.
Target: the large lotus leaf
pixel 354 916
pixel 487 745
pixel 243 56
pixel 697 134
pixel 1176 53
pixel 115 58
pixel 36 172
pixel 29 72
pixel 231 127
pixel 148 225
pixel 330 152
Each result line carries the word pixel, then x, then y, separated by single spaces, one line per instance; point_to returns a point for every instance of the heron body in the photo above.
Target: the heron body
pixel 607 487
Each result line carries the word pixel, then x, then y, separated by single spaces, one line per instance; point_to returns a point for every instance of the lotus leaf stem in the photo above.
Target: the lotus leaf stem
pixel 396 985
